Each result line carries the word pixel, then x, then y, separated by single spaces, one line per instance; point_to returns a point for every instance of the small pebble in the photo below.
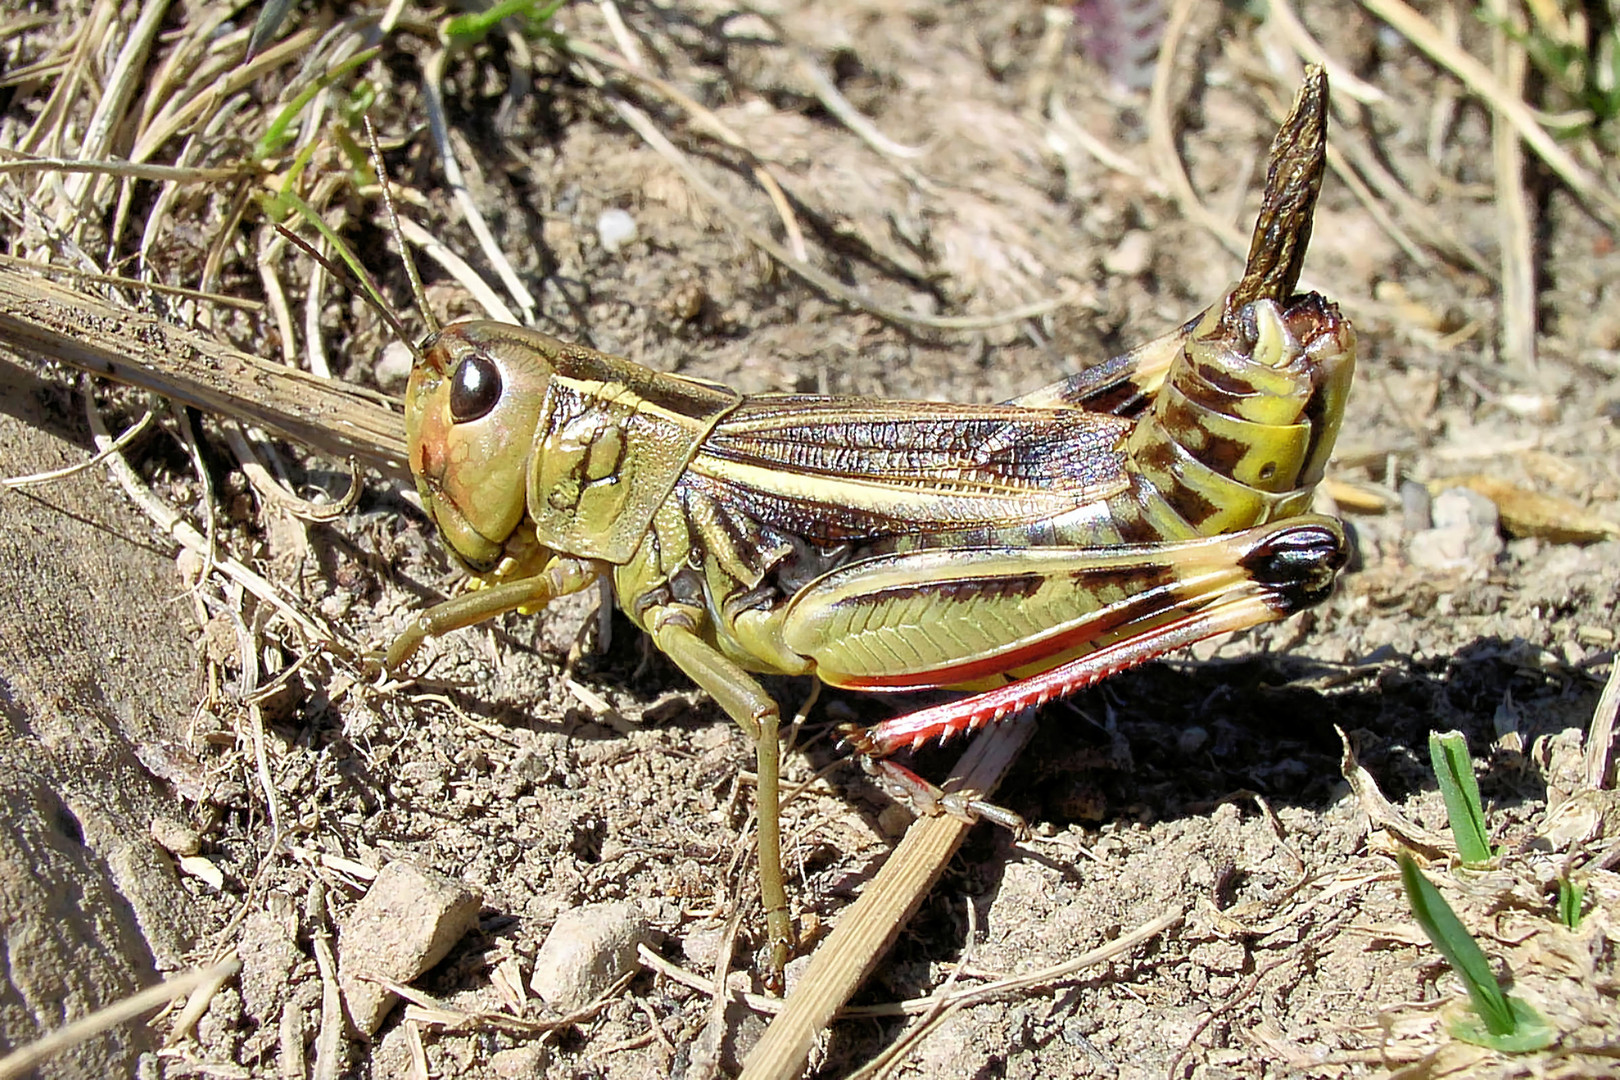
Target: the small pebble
pixel 1131 255
pixel 393 368
pixel 521 1062
pixel 615 229
pixel 203 870
pixel 175 837
pixel 1416 507
pixel 407 922
pixel 588 950
pixel 1466 535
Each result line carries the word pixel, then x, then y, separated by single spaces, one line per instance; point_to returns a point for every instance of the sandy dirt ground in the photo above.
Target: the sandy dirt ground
pixel 1019 156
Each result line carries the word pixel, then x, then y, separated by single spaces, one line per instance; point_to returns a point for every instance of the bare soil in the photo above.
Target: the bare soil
pixel 550 774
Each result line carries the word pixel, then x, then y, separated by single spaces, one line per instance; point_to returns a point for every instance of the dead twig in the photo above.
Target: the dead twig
pixel 25 1059
pixel 46 318
pixel 866 929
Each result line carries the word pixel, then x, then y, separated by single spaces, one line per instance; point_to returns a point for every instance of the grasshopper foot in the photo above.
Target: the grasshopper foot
pixel 925 799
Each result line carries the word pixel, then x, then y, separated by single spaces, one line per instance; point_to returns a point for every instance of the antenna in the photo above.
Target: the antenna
pixel 399 236
pixel 366 287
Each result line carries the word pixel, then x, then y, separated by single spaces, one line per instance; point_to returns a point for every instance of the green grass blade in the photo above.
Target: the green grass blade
pixel 279 133
pixel 1449 936
pixel 1570 896
pixel 470 28
pixel 1455 771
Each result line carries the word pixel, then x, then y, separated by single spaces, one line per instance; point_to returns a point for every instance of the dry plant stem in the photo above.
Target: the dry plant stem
pixel 869 926
pixel 621 32
pixel 1513 229
pixel 184 110
pixel 644 127
pixel 188 436
pixel 314 346
pixel 247 639
pixel 25 1059
pixel 1381 813
pixel 46 318
pixel 1375 208
pixel 69 67
pixel 1069 968
pixel 276 297
pixel 114 167
pixel 183 533
pixel 129 435
pixel 418 1052
pixel 1281 15
pixel 1600 736
pixel 942 1004
pixel 329 1043
pixel 240 303
pixel 432 80
pixel 827 92
pixel 424 1009
pixel 1479 80
pixel 271 490
pixel 1066 127
pixel 457 268
pixel 202 997
pixel 1368 171
pixel 707 120
pixel 1162 135
pixel 113 104
pixel 703 984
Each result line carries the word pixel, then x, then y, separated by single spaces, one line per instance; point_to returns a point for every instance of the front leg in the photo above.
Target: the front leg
pixel 559 577
pixel 674 631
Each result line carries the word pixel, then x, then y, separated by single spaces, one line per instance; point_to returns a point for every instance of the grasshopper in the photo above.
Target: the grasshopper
pixel 1019 550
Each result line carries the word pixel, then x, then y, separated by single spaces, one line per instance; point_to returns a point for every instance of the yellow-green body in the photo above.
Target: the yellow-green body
pixel 874 543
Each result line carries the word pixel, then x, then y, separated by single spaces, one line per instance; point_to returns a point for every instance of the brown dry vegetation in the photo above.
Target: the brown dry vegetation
pixel 1483 288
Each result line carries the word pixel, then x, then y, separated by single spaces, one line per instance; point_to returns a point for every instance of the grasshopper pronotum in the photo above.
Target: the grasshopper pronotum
pixel 1022 550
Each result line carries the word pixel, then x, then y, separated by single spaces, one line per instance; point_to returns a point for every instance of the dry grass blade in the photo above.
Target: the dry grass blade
pixel 129 435
pixel 1514 232
pixel 1600 746
pixel 1162 134
pixel 1283 16
pixel 868 927
pixel 644 127
pixel 185 534
pixel 952 1003
pixel 27 1058
pixel 134 170
pixel 219 299
pixel 1479 80
pixel 432 81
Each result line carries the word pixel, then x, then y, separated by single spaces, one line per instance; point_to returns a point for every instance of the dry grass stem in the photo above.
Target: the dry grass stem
pixel 23 1060
pixel 865 929
pixel 1480 82
pixel 1513 227
pixel 432 81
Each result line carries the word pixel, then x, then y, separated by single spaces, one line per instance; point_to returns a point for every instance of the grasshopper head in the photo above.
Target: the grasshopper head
pixel 471 408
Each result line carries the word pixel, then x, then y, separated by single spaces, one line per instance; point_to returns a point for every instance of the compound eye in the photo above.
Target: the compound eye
pixel 475 388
